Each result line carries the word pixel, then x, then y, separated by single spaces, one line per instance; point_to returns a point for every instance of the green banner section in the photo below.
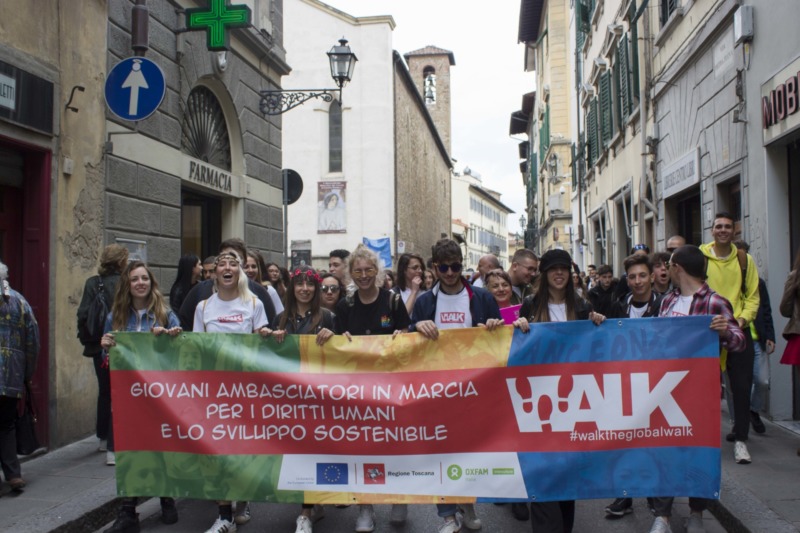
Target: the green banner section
pixel 212 477
pixel 233 352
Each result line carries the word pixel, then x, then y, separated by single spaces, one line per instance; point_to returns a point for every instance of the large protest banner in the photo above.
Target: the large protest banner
pixel 567 411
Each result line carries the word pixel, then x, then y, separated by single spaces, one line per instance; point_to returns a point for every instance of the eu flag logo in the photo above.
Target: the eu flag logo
pixel 332 474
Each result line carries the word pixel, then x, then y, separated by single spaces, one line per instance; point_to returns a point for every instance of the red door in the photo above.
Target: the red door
pixel 24 247
pixel 11 232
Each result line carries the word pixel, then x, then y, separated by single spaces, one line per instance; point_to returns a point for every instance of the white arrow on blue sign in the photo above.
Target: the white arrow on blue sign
pixel 135 88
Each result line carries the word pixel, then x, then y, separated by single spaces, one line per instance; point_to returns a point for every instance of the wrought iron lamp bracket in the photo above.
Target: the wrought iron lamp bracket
pixel 279 102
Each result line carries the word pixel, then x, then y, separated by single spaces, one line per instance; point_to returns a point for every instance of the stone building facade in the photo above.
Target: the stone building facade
pixel 80 178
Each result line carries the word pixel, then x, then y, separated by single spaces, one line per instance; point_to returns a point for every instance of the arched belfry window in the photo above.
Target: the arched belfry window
pixel 205 132
pixel 429 85
pixel 335 137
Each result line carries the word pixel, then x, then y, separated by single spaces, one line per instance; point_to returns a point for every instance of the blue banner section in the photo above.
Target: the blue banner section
pixel 631 473
pixel 581 341
pixel 382 247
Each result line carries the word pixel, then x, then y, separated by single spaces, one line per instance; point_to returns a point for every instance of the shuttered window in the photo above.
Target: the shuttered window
pixel 606 113
pixel 622 68
pixel 592 146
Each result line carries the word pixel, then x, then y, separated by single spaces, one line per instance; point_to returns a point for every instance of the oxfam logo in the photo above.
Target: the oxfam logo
pixel 454 472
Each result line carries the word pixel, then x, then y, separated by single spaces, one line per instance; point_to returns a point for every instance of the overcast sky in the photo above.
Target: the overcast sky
pixel 487 80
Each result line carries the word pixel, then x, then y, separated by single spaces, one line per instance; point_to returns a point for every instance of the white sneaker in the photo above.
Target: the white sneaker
pixel 740 453
pixel 111 458
pixel 222 526
pixel 303 525
pixel 102 445
pixel 241 515
pixel 470 517
pixel 399 514
pixel 366 519
pixel 660 525
pixel 451 526
pixel 695 523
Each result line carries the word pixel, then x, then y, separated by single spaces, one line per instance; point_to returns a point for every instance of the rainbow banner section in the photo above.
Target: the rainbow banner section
pixel 567 411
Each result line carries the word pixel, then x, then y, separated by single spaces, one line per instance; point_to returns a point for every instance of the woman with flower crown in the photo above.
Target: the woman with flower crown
pixel 304 315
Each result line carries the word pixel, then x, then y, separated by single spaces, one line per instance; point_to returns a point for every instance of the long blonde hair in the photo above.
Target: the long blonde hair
pixel 123 302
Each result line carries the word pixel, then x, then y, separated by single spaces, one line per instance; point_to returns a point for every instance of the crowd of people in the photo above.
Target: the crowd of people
pixel 356 296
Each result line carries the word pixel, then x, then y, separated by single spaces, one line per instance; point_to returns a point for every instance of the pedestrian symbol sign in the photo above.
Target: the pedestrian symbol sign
pixel 135 88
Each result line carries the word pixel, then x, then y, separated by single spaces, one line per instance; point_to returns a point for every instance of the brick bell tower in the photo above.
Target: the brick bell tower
pixel 430 70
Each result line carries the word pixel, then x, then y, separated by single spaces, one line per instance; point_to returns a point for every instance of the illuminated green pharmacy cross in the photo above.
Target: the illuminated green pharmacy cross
pixel 217 21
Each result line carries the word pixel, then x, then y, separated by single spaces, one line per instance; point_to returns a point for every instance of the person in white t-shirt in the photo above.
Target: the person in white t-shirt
pixel 554 300
pixel 454 303
pixel 410 283
pixel 231 309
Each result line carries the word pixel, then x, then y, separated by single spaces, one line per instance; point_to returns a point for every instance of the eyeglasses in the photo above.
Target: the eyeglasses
pixel 368 272
pixel 329 288
pixel 455 267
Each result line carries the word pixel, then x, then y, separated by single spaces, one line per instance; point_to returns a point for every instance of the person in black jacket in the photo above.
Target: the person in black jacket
pixel 602 294
pixel 189 273
pixel 205 289
pixel 113 261
pixel 763 331
pixel 641 302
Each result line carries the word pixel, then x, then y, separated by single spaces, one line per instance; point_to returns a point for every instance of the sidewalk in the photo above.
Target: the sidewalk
pixel 763 496
pixel 72 490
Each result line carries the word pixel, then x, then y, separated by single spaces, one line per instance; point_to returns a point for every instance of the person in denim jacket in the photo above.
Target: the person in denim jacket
pixel 138 306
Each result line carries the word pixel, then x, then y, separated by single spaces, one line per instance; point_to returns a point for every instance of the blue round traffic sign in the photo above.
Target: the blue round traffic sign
pixel 135 88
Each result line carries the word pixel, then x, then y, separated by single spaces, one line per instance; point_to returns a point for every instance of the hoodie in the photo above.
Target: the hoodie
pixel 725 278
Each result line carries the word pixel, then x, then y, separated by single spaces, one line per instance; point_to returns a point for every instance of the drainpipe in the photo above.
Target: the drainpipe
pixel 644 92
pixel 139 28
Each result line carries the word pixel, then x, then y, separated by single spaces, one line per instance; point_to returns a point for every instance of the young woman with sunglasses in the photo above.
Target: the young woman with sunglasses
pixel 331 291
pixel 410 281
pixel 370 310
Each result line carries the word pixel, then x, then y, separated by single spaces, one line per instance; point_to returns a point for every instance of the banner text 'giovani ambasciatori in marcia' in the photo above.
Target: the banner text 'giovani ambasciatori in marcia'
pixel 567 411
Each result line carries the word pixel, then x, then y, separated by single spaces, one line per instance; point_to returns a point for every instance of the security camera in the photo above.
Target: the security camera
pixel 562 190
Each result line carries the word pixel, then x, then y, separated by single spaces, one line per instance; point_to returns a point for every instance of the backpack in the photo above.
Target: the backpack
pixel 92 330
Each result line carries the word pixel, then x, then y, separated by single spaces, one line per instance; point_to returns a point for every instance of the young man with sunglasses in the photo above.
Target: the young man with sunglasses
pixel 453 303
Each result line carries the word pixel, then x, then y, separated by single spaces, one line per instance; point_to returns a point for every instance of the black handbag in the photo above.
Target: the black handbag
pixel 27 441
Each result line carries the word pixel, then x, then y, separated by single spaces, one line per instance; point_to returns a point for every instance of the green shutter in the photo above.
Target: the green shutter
pixel 606 113
pixel 592 151
pixel 574 154
pixel 626 106
pixel 533 182
pixel 544 132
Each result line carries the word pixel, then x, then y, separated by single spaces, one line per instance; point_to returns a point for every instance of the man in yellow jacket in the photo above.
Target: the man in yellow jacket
pixel 737 280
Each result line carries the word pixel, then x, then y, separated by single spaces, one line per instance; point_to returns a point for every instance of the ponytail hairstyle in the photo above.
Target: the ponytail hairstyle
pixel 123 302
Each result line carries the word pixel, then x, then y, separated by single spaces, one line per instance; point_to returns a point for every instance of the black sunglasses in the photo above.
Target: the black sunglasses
pixel 329 288
pixel 455 267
